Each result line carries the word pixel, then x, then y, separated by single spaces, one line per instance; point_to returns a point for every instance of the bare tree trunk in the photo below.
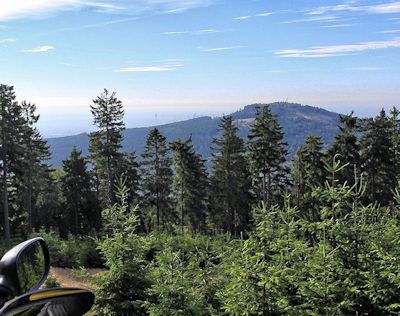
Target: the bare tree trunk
pixel 7 242
pixel 29 196
pixel 182 207
pixel 264 196
pixel 110 183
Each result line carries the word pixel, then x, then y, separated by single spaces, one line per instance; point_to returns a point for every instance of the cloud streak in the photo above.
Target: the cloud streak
pixel 146 69
pixel 383 8
pixel 40 49
pixel 25 8
pixel 327 18
pixel 199 32
pixel 262 14
pixel 244 17
pixel 219 49
pixel 7 40
pixel 169 65
pixel 338 50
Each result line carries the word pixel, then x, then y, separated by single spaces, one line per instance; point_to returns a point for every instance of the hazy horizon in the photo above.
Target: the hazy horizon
pixel 49 127
pixel 178 58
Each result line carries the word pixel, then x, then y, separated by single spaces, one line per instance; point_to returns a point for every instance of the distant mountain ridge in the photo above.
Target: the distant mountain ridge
pixel 297 121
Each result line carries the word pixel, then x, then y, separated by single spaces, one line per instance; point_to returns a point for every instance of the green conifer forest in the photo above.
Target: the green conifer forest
pixel 257 233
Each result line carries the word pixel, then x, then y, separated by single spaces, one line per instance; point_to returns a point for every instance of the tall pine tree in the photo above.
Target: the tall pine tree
pixel 35 156
pixel 308 173
pixel 267 152
pixel 157 178
pixel 105 143
pixel 230 180
pixel 377 158
pixel 11 129
pixel 81 208
pixel 347 149
pixel 190 184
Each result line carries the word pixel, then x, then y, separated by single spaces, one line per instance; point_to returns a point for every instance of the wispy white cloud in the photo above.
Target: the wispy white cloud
pixel 219 49
pixel 389 31
pixel 7 40
pixel 338 25
pixel 262 14
pixel 338 50
pixel 146 69
pixel 25 8
pixel 168 65
pixel 39 49
pixel 243 17
pixel 265 14
pixel 199 32
pixel 382 8
pixel 324 18
pixel 208 31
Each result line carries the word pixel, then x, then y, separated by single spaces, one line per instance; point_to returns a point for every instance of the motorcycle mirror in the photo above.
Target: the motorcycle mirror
pixel 50 302
pixel 24 268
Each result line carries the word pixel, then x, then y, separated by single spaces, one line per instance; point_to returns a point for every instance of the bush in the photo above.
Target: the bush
pixel 72 252
pixel 121 290
pixel 51 282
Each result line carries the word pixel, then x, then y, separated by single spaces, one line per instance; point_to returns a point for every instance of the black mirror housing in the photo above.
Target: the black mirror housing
pixel 55 302
pixel 12 281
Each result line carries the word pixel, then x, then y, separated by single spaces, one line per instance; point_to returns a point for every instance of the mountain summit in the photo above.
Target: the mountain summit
pixel 297 121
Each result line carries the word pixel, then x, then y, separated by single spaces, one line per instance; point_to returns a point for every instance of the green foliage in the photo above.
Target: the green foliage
pixel 308 173
pixel 81 209
pixel 185 275
pixel 190 186
pixel 347 147
pixel 266 155
pixel 73 252
pixel 157 181
pixel 51 282
pixel 121 290
pixel 377 157
pixel 230 181
pixel 105 143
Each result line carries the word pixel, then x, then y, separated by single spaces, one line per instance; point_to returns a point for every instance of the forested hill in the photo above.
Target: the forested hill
pixel 298 121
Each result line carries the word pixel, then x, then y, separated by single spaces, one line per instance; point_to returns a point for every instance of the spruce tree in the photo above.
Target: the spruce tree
pixel 105 143
pixel 11 126
pixel 377 158
pixel 190 184
pixel 267 152
pixel 230 180
pixel 81 209
pixel 128 168
pixel 157 178
pixel 308 173
pixel 347 149
pixel 36 153
pixel 395 125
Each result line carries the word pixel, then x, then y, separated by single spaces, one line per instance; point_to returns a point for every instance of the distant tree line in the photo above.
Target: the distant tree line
pixel 171 184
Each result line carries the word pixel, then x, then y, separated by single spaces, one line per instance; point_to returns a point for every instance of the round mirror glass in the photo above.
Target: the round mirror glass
pixel 30 266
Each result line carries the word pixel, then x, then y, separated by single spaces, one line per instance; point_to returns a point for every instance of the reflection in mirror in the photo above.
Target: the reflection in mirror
pixel 30 266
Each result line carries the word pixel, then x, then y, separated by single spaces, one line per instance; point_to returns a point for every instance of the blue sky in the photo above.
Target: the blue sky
pixel 174 59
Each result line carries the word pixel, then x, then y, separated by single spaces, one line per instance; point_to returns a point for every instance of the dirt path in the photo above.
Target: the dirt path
pixel 72 277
